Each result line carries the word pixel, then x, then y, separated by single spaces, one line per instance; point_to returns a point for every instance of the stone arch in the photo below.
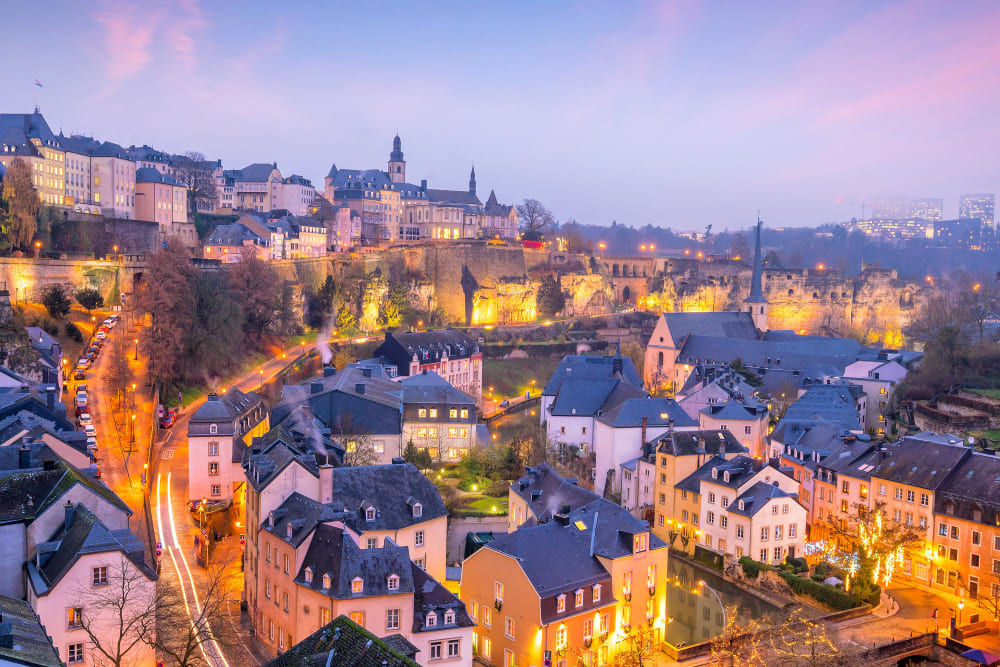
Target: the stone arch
pixel 815 295
pixel 614 269
pixel 626 294
pixel 791 292
pixel 659 359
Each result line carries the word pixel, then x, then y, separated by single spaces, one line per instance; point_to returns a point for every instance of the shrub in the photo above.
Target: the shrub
pixel 818 578
pixel 828 595
pixel 73 332
pixel 50 326
pixel 824 569
pixel 798 564
pixel 709 558
pixel 751 568
pixel 56 301
pixel 498 488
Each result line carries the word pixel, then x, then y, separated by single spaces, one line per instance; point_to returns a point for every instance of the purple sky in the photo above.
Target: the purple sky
pixel 678 114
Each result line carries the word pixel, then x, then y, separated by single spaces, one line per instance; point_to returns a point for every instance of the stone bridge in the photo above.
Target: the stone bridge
pixel 26 278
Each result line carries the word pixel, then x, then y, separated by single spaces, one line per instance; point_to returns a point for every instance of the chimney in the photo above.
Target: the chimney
pixel 329 371
pixel 213 397
pixel 561 519
pixel 326 482
pixel 366 371
pixel 68 511
pixel 23 457
pixel 423 184
pixel 398 460
pixel 315 387
pixel 50 397
pixel 644 419
pixel 359 387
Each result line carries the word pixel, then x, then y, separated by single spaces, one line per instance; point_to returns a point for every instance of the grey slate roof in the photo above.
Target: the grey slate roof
pixel 16 130
pixel 85 535
pixel 429 595
pixel 577 366
pixel 256 172
pixel 690 443
pixel 341 642
pixel 333 553
pixel 972 490
pixel 24 494
pixel 756 498
pixel 740 469
pixel 453 197
pixel 32 645
pixel 429 387
pixel 545 491
pixel 591 396
pixel 232 234
pixel 428 346
pixel 392 489
pixel 921 461
pixel 728 325
pixel 833 403
pixel 745 410
pixel 150 175
pixel 282 446
pixel 657 411
pixel 300 512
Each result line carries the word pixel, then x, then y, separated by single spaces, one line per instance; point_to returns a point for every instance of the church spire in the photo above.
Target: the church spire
pixel 472 180
pixel 756 303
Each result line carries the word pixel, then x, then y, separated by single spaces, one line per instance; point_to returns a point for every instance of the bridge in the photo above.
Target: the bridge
pixel 511 408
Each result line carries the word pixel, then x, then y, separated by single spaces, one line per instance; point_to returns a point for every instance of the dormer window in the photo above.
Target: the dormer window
pixel 715 473
pixel 309 575
pixel 270 520
pixel 597 592
pixel 418 510
pixel 289 530
pixel 431 620
pixel 449 617
pixel 725 476
pixel 639 542
pixel 578 598
pixel 326 581
pixel 357 585
pixel 392 583
pixel 741 504
pixel 370 514
pixel 561 603
pixel 213 428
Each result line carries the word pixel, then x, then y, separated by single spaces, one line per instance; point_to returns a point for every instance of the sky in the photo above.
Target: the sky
pixel 677 114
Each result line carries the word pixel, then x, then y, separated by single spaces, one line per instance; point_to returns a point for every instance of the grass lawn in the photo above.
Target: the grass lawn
pixel 477 504
pixel 510 377
pixel 988 393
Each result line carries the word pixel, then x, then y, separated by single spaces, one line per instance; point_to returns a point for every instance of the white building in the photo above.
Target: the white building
pixel 879 380
pixel 217 436
pixel 295 194
pixel 621 432
pixel 75 575
pixel 748 509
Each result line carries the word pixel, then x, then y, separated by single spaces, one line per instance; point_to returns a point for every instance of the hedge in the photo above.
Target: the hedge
pixel 709 558
pixel 820 592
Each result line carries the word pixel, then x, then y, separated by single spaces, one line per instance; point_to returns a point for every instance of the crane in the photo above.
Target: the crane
pixel 863 206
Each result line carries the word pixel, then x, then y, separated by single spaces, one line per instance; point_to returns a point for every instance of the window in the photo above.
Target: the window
pixel 370 514
pixel 791 530
pixel 639 543
pixel 74 653
pixel 974 560
pixel 286 563
pixel 711 498
pixel 372 542
pixel 433 413
pixel 418 538
pixel 392 583
pixel 508 658
pixel 487 648
pixel 627 582
pixel 943 529
pixel 578 598
pixel 74 617
pixel 747 430
pixel 498 591
pixel 487 616
pixel 954 532
pixel 560 604
pixel 925 499
pixel 358 617
pixel 100 576
pixel 843 506
pixel 898 493
pixel 765 534
pixel 910 496
pixel 213 428
pixel 561 636
pixel 216 489
pixel 724 501
pixel 508 628
pixel 710 518
pixel 845 487
pixel 391 619
pixel 597 592
pixel 474 609
pixel 739 532
pixel 777 532
pixel 213 469
pixel 777 554
pixel 357 585
pixel 213 449
pixel 977 538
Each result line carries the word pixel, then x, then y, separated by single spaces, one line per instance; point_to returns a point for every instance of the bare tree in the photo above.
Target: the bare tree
pixel 740 644
pixel 802 642
pixel 119 614
pixel 359 447
pixel 535 218
pixel 636 650
pixel 195 172
pixel 191 628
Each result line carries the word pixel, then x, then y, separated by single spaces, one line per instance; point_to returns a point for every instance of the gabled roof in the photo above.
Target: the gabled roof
pixel 232 234
pixel 336 402
pixel 657 412
pixel 755 498
pixel 972 488
pixel 453 197
pixel 392 489
pixel 545 491
pixel 429 387
pixel 578 366
pixel 86 534
pixel 24 494
pixel 300 512
pixel 430 596
pixel 736 410
pixel 341 642
pixel 591 396
pixel 726 324
pixel 17 129
pixel 740 469
pixel 226 407
pixel 282 446
pixel 151 175
pixel 690 443
pixel 833 403
pixel 428 346
pixel 256 172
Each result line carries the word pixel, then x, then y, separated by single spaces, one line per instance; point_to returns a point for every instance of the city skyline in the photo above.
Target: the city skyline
pixel 706 114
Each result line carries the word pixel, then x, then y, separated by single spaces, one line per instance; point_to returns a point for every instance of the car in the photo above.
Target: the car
pixel 92 444
pixel 80 373
pixel 100 335
pixel 169 418
pixel 90 430
pixel 83 361
pixel 81 388
pixel 85 419
pixel 210 505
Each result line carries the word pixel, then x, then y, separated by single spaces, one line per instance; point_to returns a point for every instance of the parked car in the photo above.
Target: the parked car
pixel 169 418
pixel 90 430
pixel 80 373
pixel 100 335
pixel 85 419
pixel 92 444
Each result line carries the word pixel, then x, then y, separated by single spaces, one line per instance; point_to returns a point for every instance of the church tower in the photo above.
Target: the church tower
pixel 755 303
pixel 397 165
pixel 472 181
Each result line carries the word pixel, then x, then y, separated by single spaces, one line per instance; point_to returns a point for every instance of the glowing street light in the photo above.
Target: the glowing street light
pixel 136 357
pixel 820 267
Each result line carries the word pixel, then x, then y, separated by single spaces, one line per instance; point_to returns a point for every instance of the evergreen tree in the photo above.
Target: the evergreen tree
pixel 550 299
pixel 89 298
pixel 56 301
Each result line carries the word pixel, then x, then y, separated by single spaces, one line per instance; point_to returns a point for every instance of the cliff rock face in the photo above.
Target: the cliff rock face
pixel 587 294
pixel 507 302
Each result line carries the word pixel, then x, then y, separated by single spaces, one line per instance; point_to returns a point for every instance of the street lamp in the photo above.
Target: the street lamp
pixel 132 438
pixel 38 249
pixel 136 357
pixel 261 388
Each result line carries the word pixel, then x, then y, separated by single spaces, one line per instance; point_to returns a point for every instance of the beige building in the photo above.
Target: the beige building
pixel 161 199
pixel 28 137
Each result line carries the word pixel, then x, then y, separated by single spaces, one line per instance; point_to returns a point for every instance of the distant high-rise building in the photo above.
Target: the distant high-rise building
pixel 927 209
pixel 978 205
pixel 888 210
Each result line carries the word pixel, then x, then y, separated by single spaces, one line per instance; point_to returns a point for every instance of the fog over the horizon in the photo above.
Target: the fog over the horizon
pixel 679 114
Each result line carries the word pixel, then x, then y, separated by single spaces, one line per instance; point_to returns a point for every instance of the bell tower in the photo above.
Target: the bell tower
pixel 397 165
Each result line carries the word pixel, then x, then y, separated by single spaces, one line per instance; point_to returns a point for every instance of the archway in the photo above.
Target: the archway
pixel 626 295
